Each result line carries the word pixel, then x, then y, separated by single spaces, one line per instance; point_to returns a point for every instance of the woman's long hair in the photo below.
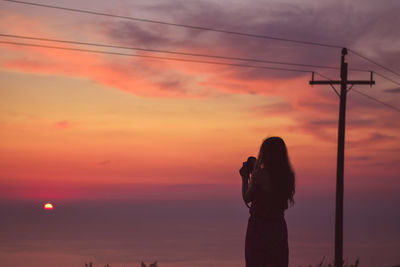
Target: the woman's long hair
pixel 274 158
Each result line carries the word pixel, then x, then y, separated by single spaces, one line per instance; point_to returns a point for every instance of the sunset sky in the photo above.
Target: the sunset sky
pixel 82 127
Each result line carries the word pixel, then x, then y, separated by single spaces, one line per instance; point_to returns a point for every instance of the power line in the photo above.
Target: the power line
pixel 205 29
pixel 374 62
pixel 323 76
pixel 155 57
pixel 189 61
pixel 363 94
pixel 377 100
pixel 387 78
pixel 177 24
pixel 329 79
pixel 173 52
pixel 377 73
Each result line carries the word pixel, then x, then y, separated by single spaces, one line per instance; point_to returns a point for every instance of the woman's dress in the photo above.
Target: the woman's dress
pixel 266 238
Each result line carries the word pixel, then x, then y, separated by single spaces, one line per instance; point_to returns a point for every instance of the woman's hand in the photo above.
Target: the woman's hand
pixel 244 172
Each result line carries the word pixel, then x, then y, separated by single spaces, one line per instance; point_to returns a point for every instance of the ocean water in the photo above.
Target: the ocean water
pixel 189 232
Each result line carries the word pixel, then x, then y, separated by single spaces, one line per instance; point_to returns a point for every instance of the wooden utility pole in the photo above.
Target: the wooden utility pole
pixel 340 152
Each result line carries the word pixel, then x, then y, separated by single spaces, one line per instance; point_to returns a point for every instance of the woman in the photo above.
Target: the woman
pixel 269 187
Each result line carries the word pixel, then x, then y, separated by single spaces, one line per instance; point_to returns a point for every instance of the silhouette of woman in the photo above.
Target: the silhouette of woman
pixel 269 186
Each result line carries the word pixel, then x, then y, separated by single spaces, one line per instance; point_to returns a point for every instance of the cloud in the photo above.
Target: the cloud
pixel 370 140
pixel 273 19
pixel 359 158
pixel 325 22
pixel 393 90
pixel 286 21
pixel 62 124
pixel 329 22
pixel 274 108
pixel 312 104
pixel 323 122
pixel 105 162
pixel 354 123
pixel 132 33
pixel 135 78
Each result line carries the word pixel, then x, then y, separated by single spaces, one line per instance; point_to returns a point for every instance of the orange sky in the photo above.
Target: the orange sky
pixel 71 118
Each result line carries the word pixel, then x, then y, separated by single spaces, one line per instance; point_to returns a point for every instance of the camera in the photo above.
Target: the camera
pixel 249 164
pixel 247 167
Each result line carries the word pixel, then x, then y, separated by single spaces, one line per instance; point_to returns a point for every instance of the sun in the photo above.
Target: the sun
pixel 48 206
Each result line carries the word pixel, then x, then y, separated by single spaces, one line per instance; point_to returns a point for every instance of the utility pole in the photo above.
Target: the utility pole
pixel 340 151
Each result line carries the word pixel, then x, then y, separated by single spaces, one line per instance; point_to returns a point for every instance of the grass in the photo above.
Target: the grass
pixel 345 264
pixel 321 264
pixel 154 264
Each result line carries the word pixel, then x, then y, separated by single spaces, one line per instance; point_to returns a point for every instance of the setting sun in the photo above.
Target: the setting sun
pixel 48 206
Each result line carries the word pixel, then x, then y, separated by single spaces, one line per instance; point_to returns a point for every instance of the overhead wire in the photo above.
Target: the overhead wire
pixel 377 73
pixel 202 28
pixel 329 79
pixel 189 61
pixel 155 57
pixel 194 54
pixel 387 78
pixel 177 24
pixel 374 62
pixel 377 100
pixel 361 93
pixel 173 52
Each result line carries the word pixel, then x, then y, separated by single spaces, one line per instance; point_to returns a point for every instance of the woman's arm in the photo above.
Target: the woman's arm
pixel 247 187
pixel 260 180
pixel 247 190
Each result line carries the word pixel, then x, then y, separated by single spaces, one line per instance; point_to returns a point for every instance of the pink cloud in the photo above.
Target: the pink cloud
pixel 62 124
pixel 274 108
